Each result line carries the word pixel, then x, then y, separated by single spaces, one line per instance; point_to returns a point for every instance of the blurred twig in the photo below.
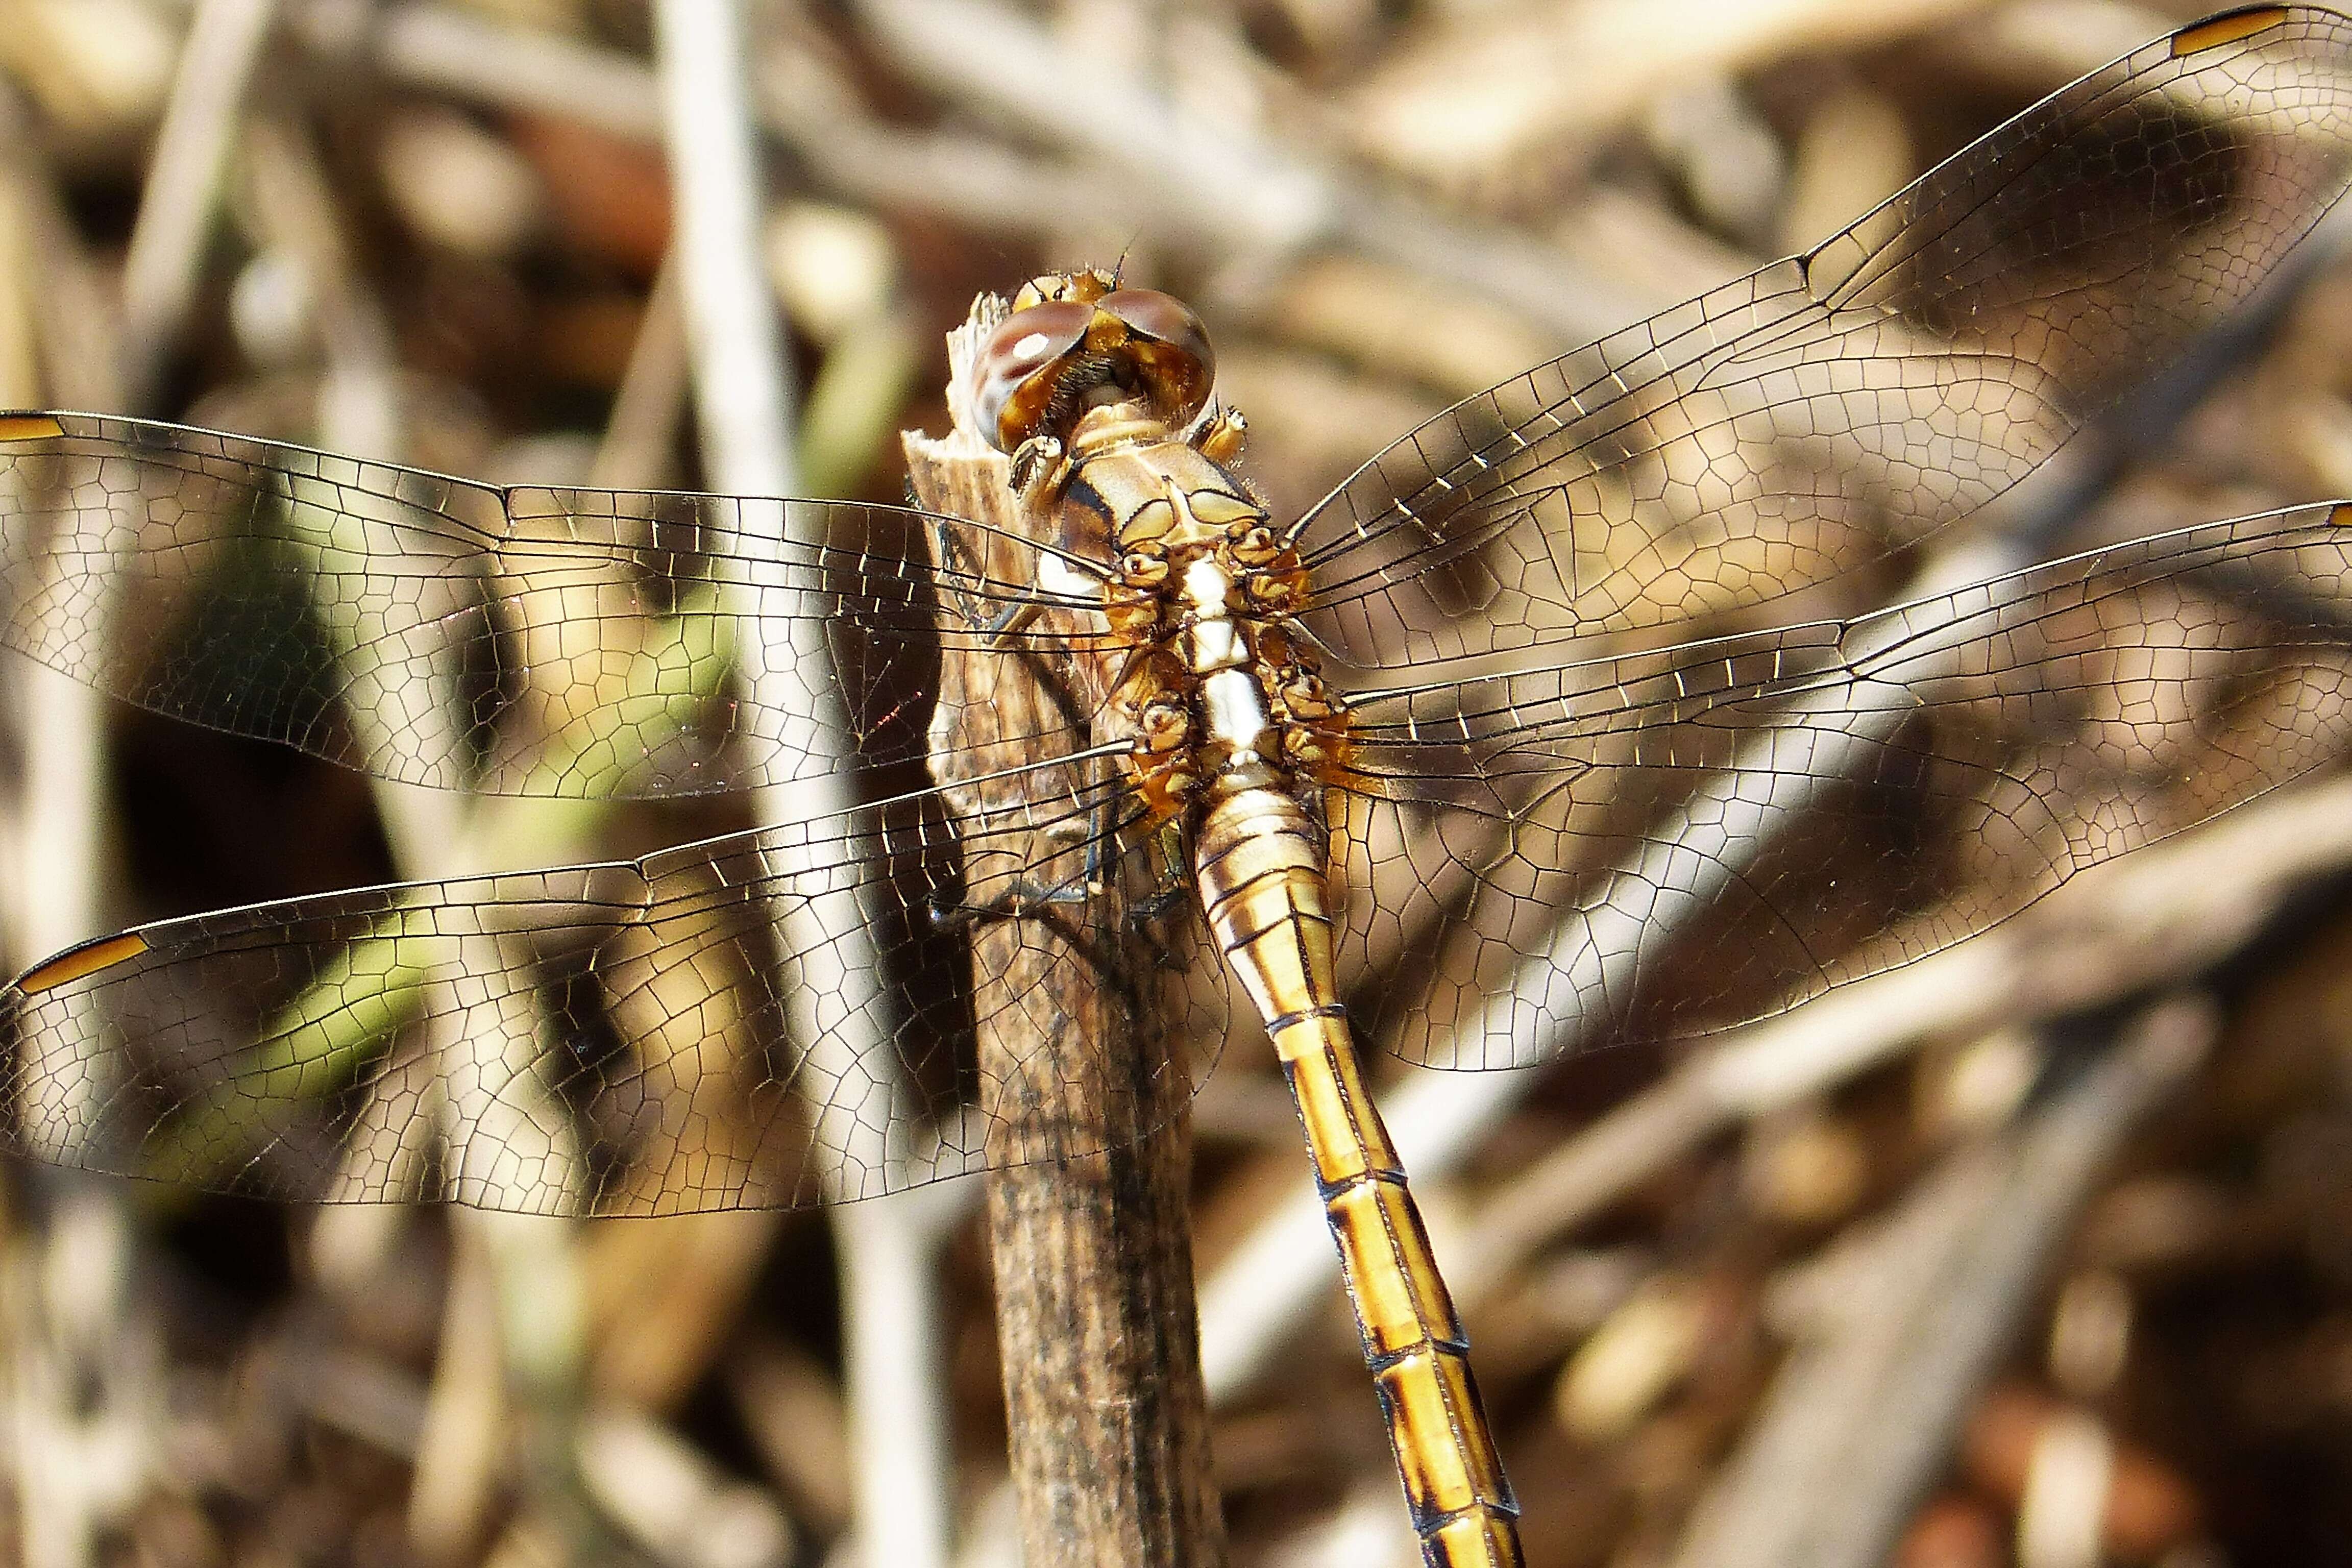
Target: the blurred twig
pixel 1241 193
pixel 89 1387
pixel 464 1419
pixel 895 1361
pixel 85 1362
pixel 2164 912
pixel 743 388
pixel 676 1502
pixel 184 181
pixel 1907 1323
pixel 1134 156
pixel 457 50
pixel 743 410
pixel 635 452
pixel 1481 89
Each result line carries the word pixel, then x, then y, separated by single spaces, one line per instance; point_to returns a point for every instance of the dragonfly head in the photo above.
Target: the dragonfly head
pixel 1075 340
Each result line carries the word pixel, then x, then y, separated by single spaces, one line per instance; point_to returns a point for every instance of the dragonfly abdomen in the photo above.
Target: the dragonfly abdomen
pixel 1259 864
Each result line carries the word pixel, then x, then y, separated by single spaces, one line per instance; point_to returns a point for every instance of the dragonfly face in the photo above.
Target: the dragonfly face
pixel 1076 340
pixel 1496 753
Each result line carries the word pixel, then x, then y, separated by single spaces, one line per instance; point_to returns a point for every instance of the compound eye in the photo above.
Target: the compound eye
pixel 1013 387
pixel 1171 349
pixel 1163 317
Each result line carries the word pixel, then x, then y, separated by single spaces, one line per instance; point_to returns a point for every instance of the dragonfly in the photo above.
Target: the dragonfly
pixel 1506 744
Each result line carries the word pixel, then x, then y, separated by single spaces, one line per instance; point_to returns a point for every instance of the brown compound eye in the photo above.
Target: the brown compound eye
pixel 1169 348
pixel 1163 317
pixel 1012 394
pixel 1044 360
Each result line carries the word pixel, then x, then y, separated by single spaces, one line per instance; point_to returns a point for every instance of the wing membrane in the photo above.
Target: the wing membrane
pixel 1684 839
pixel 433 631
pixel 651 1036
pixel 1538 849
pixel 1845 402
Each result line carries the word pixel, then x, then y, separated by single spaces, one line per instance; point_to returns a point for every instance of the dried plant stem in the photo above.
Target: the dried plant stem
pixel 1089 1227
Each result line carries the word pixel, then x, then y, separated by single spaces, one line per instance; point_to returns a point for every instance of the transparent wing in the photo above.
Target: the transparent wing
pixel 772 1018
pixel 433 631
pixel 1842 403
pixel 1661 842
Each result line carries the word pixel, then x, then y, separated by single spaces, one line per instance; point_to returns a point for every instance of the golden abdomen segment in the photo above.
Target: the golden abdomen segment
pixel 1262 881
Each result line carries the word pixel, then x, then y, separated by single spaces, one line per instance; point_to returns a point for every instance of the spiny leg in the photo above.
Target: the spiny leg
pixel 1025 895
pixel 1062 577
pixel 1172 880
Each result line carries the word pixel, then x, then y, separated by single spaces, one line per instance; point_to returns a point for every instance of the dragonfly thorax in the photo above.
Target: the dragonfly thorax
pixel 1216 690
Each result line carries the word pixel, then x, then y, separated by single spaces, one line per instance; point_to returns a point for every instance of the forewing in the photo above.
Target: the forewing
pixel 772 1018
pixel 1843 403
pixel 1664 843
pixel 433 631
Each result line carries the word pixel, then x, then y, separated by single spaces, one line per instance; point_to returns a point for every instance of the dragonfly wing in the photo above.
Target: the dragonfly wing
pixel 1663 843
pixel 433 631
pixel 1843 403
pixel 772 1018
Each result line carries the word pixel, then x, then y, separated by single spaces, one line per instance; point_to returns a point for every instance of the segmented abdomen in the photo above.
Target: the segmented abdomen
pixel 1260 866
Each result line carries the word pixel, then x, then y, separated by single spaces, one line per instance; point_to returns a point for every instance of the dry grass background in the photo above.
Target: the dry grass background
pixel 2039 1251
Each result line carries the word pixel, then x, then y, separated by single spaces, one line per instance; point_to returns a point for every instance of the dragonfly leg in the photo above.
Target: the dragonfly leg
pixel 1059 576
pixel 1037 470
pixel 1220 437
pixel 1019 898
pixel 953 550
pixel 1018 895
pixel 1000 630
pixel 1170 888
